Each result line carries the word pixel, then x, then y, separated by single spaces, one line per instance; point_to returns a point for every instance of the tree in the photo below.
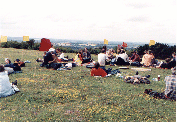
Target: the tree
pixel 31 43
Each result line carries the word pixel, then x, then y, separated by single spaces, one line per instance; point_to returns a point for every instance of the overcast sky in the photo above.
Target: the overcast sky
pixel 114 20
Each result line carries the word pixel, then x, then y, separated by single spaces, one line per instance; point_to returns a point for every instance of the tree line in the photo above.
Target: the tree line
pixel 160 50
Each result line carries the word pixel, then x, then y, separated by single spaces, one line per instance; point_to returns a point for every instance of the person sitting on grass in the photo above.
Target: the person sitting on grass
pixel 170 90
pixel 122 58
pixel 135 59
pixel 147 58
pixel 97 71
pixel 6 89
pixel 48 57
pixel 16 66
pixel 53 62
pixel 170 63
pixel 102 58
pixel 170 81
pixel 52 48
pixel 86 56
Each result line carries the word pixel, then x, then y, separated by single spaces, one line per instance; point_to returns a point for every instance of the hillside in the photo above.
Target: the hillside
pixel 50 95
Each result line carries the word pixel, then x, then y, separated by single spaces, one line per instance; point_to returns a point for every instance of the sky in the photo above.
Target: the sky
pixel 114 20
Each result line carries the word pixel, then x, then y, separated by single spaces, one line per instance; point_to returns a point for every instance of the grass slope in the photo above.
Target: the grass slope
pixel 48 95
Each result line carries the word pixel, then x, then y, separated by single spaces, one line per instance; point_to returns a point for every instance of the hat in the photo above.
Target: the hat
pixel 51 49
pixel 17 60
pixel 6 59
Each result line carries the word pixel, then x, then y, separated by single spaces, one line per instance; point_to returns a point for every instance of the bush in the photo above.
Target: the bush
pixel 160 51
pixel 21 45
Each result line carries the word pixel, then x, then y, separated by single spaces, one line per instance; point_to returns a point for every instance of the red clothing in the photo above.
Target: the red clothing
pixel 80 56
pixel 98 72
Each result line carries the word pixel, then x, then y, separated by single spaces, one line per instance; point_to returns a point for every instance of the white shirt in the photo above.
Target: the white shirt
pixel 101 59
pixel 123 56
pixel 5 86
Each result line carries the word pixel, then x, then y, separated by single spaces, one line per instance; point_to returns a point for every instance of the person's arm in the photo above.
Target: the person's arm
pixel 80 57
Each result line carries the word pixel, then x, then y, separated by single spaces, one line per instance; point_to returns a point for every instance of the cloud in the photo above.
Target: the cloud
pixel 139 19
pixel 138 5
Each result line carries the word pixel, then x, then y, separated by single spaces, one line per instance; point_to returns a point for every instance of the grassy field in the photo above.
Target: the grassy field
pixel 49 95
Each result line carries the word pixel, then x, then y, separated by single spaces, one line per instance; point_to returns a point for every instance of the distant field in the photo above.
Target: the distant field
pixel 50 95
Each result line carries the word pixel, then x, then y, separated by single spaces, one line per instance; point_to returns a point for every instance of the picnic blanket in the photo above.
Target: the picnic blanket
pixel 141 69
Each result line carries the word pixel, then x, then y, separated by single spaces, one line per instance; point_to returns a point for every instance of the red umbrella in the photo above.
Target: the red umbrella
pixel 45 44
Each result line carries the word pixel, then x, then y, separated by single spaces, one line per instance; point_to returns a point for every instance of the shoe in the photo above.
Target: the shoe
pixel 148 76
pixel 15 88
pixel 14 83
pixel 27 61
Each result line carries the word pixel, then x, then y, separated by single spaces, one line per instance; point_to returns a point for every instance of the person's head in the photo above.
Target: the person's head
pixel 86 49
pixel 123 51
pixel 150 52
pixel 104 47
pixel 1 68
pixel 174 54
pixel 109 51
pixel 145 52
pixel 51 45
pixel 7 61
pixel 80 51
pixel 57 50
pixel 113 51
pixel 97 65
pixel 103 51
pixel 134 52
pixel 17 61
pixel 173 71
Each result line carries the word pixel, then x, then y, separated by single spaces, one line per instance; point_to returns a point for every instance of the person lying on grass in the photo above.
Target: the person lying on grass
pixel 170 90
pixel 6 89
pixel 97 71
pixel 16 66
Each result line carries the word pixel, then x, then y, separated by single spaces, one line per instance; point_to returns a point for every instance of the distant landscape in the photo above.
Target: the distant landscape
pixel 86 43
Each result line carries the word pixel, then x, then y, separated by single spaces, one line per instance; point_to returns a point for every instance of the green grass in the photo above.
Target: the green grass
pixel 49 95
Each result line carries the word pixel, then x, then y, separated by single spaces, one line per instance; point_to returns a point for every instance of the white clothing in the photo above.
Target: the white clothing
pixel 101 59
pixel 124 56
pixel 5 86
pixel 51 49
pixel 9 70
pixel 62 55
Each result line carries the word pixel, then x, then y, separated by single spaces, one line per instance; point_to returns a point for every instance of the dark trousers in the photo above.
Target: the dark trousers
pixel 121 61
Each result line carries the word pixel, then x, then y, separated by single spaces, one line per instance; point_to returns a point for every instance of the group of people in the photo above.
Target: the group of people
pixel 54 58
